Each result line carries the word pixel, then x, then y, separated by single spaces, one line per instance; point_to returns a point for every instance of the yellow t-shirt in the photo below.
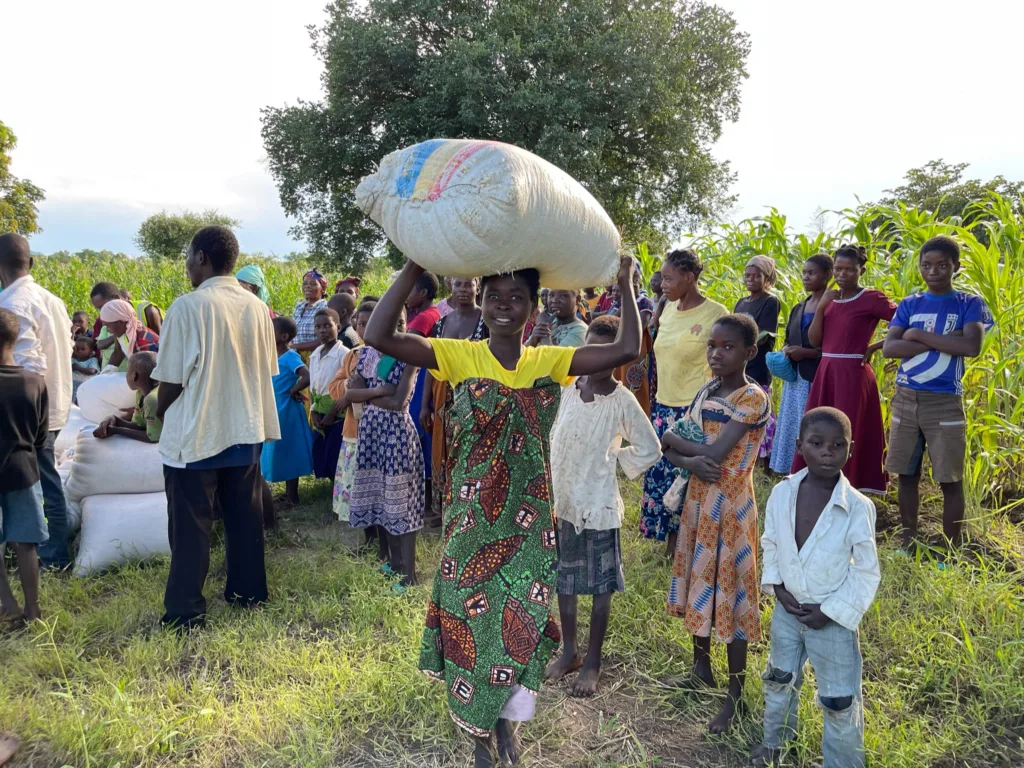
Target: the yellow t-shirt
pixel 460 359
pixel 681 350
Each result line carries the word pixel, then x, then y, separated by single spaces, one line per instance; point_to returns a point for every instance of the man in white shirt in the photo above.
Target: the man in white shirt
pixel 44 347
pixel 821 563
pixel 215 366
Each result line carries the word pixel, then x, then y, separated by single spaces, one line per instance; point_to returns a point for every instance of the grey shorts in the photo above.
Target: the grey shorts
pixel 589 562
pixel 21 516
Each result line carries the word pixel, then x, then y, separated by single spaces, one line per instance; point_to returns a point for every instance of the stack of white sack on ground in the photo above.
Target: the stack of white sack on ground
pixel 68 435
pixel 114 487
pixel 466 208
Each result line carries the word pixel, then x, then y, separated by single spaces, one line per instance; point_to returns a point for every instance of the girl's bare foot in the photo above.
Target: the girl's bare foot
pixel 483 752
pixel 586 684
pixel 32 613
pixel 562 666
pixel 509 748
pixel 698 679
pixel 9 744
pixel 731 707
pixel 11 613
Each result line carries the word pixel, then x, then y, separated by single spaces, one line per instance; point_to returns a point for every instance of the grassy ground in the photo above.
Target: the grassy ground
pixel 325 675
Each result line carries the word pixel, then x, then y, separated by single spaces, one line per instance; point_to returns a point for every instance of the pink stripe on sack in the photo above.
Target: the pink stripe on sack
pixel 453 166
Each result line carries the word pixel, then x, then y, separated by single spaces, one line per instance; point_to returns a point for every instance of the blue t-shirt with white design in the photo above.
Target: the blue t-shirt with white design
pixel 935 371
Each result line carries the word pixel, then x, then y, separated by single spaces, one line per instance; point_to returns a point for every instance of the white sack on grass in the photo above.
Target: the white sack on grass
pixel 69 433
pixel 104 395
pixel 465 208
pixel 116 529
pixel 115 465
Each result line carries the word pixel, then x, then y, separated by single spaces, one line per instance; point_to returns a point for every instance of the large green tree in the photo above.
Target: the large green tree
pixel 167 235
pixel 628 96
pixel 18 197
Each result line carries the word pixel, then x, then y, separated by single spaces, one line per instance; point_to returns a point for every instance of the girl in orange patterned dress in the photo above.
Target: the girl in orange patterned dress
pixel 714 576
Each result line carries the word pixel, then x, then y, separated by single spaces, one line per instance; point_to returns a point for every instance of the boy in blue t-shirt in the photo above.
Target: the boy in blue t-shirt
pixel 933 332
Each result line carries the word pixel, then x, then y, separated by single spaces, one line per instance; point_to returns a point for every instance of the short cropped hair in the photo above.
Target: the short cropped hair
pixel 106 291
pixel 366 306
pixel 827 415
pixel 219 245
pixel 143 362
pixel 343 301
pixel 428 282
pixel 327 312
pixel 856 252
pixel 15 251
pixel 822 261
pixel 605 327
pixel 89 341
pixel 286 326
pixel 945 245
pixel 8 328
pixel 744 324
pixel 685 260
pixel 529 276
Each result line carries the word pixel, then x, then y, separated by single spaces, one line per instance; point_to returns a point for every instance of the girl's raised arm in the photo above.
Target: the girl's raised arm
pixel 595 358
pixel 381 331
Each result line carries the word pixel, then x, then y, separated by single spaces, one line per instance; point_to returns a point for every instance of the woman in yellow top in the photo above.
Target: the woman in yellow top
pixel 680 349
pixel 488 633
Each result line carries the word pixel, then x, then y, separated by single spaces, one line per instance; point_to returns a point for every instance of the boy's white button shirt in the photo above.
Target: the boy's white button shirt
pixel 586 443
pixel 838 564
pixel 322 370
pixel 218 343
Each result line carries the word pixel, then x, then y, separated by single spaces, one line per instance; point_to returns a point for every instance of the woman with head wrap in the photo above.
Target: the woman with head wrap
pixel 764 307
pixel 252 279
pixel 314 286
pixel 132 336
pixel 349 285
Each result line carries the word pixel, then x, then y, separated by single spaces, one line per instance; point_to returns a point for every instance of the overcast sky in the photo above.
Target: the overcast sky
pixel 125 108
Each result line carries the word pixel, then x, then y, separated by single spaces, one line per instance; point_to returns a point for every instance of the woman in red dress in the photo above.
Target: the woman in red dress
pixel 843 325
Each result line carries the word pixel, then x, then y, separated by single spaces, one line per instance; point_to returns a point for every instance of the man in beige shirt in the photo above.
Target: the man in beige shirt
pixel 215 366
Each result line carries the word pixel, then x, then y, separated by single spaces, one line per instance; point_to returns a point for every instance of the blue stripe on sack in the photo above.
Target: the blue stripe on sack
pixel 405 184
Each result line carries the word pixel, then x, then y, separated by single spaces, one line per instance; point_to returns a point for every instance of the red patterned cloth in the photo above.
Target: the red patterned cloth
pixel 714 575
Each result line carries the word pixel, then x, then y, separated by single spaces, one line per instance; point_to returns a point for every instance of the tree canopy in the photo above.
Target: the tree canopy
pixel 628 96
pixel 167 235
pixel 18 197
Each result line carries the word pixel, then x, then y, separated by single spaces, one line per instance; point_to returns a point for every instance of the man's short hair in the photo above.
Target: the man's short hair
pixel 827 415
pixel 106 291
pixel 219 245
pixel 15 251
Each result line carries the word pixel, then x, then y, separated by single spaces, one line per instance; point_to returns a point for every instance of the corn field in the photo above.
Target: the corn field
pixel 893 237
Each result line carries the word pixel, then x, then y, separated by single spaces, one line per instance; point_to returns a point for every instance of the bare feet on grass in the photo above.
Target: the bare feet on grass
pixel 731 707
pixel 509 747
pixel 765 757
pixel 483 752
pixel 562 666
pixel 9 744
pixel 699 678
pixel 586 683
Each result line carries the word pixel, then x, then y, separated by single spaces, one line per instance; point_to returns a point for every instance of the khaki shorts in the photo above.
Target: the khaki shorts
pixel 932 419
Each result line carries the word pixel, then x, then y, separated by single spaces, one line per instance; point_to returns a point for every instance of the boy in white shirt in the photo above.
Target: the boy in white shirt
pixel 821 563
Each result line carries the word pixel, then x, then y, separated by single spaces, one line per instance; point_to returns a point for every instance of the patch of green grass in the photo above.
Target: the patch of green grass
pixel 326 674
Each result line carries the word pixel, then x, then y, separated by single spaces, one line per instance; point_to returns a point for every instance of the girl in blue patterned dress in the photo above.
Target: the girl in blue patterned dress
pixel 389 488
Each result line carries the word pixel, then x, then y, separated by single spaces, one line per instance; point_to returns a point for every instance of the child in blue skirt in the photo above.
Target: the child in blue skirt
pixel 291 457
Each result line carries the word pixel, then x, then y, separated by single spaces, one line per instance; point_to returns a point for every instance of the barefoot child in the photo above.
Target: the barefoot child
pixel 488 632
pixel 324 363
pixel 389 486
pixel 821 564
pixel 714 574
pixel 932 333
pixel 291 457
pixel 144 426
pixel 596 413
pixel 24 421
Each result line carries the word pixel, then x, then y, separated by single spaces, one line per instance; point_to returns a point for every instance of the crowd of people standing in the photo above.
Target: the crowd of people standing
pixel 502 422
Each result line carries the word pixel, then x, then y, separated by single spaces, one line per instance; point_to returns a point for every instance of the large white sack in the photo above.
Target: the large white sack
pixel 115 465
pixel 467 208
pixel 68 434
pixel 104 395
pixel 116 529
